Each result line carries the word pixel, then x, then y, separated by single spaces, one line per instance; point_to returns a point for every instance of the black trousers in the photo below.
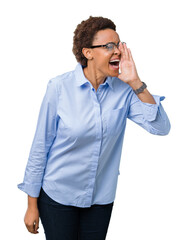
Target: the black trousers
pixel 62 222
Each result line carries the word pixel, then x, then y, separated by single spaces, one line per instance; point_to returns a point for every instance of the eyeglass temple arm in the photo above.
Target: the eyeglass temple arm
pixel 98 46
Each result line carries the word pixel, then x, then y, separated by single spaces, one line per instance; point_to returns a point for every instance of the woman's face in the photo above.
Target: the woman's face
pixel 101 56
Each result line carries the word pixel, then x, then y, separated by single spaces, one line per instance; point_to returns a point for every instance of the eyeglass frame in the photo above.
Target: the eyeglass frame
pixel 105 45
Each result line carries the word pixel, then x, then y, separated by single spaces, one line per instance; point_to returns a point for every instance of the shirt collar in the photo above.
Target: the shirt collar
pixel 81 79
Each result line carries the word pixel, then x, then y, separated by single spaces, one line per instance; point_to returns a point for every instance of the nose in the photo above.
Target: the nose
pixel 116 50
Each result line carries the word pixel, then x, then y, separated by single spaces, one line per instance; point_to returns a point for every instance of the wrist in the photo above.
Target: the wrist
pixel 32 202
pixel 32 207
pixel 135 84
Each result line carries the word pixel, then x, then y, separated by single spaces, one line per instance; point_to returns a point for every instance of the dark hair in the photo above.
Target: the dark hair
pixel 84 35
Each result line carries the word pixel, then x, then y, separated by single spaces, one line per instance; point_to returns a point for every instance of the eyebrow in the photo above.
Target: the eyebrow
pixel 113 42
pixel 107 43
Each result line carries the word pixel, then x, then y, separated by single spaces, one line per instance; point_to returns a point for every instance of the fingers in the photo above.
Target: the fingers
pixel 130 54
pixel 123 50
pixel 31 220
pixel 32 228
pixel 36 226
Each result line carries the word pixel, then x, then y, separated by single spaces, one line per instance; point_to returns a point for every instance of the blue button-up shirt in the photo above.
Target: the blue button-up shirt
pixel 76 150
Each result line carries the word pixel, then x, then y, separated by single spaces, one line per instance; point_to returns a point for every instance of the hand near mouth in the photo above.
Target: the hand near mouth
pixel 128 73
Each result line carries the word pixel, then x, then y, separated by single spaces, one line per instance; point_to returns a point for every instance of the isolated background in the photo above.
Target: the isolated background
pixel 36 45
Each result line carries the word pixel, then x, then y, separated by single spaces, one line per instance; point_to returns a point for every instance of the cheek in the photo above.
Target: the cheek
pixel 102 60
pixel 105 59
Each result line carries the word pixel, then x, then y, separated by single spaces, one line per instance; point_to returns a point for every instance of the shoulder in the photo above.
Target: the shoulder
pixel 60 80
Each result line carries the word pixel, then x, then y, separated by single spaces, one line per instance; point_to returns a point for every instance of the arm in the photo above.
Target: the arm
pixel 144 96
pixel 151 117
pixel 145 109
pixel 43 139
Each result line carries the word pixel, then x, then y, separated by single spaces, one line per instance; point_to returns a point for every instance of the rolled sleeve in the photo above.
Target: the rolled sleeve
pixel 32 190
pixel 44 136
pixel 151 117
pixel 150 110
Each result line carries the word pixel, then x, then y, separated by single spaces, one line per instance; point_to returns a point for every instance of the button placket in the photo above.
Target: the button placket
pixel 96 150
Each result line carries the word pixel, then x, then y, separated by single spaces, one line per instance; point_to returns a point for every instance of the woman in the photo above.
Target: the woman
pixel 73 166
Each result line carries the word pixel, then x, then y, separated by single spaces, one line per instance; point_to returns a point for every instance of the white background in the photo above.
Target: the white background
pixel 36 45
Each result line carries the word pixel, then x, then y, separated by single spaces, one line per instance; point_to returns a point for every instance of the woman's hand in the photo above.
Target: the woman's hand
pixel 127 66
pixel 31 219
pixel 129 74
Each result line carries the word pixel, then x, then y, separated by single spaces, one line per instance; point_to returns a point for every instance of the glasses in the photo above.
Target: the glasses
pixel 109 46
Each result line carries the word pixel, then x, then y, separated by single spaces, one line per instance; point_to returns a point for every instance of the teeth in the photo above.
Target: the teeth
pixel 116 60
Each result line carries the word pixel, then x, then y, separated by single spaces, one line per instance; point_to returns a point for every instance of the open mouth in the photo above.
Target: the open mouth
pixel 114 63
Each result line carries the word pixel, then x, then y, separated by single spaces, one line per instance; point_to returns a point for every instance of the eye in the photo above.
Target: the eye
pixel 110 46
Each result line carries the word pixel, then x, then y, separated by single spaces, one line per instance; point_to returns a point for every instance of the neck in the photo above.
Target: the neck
pixel 93 76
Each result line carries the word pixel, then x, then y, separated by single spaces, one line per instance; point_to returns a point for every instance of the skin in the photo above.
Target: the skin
pixel 98 67
pixel 31 218
pixel 97 70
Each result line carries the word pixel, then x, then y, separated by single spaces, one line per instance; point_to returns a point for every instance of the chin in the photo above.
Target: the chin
pixel 114 73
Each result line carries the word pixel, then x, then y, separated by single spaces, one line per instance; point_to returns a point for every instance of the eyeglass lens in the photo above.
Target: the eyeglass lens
pixel 112 46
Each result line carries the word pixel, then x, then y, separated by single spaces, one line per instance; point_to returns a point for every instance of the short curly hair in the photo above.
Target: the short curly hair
pixel 84 35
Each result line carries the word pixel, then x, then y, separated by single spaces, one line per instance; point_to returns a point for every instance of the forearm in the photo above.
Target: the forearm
pixel 32 202
pixel 151 117
pixel 144 96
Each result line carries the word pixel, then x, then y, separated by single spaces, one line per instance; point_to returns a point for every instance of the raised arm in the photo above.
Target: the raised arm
pixel 145 109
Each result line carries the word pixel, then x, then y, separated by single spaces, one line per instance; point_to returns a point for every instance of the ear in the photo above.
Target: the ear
pixel 87 52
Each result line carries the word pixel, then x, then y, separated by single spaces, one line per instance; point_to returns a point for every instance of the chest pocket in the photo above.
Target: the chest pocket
pixel 114 121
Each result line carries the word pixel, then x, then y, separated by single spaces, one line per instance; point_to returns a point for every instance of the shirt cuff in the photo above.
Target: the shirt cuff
pixel 150 110
pixel 32 190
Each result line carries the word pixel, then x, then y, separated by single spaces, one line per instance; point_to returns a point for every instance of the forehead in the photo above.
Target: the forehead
pixel 104 36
